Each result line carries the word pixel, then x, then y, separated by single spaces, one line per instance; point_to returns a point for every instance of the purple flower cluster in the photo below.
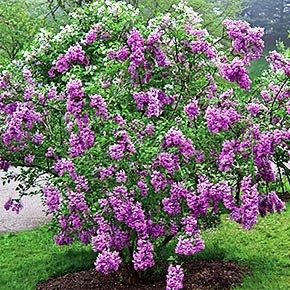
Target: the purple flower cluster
pixel 92 34
pixel 123 53
pixel 161 57
pixel 76 100
pixel 14 205
pixel 171 204
pixel 175 138
pixel 190 225
pixel 28 92
pixel 143 187
pixel 247 41
pixel 202 46
pixel 62 239
pixel 28 159
pixel 219 119
pixel 126 210
pixel 38 138
pixel 61 166
pixel 76 201
pixel 191 109
pixel 82 140
pixel 101 241
pixel 278 62
pixel 123 145
pixel 121 176
pixel 208 195
pixel 143 256
pixel 136 44
pixel 262 150
pixel 4 164
pixel 155 230
pixel 74 55
pixel 108 261
pixel 154 100
pixel 168 161
pixel 255 108
pixel 105 172
pixel 247 213
pixel 23 118
pixel 236 72
pixel 174 278
pixel 100 105
pixel 270 203
pixel 51 198
pixel 158 180
pixel 226 157
pixel 189 246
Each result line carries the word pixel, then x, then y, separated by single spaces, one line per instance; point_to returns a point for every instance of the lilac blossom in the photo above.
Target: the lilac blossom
pixel 76 201
pixel 219 119
pixel 189 246
pixel 274 203
pixel 158 180
pixel 28 159
pixel 143 187
pixel 191 109
pixel 92 34
pixel 63 165
pixel 108 261
pixel 246 40
pixel 202 46
pixel 226 157
pixel 13 204
pixel 123 53
pixel 101 242
pixel 143 256
pixel 153 100
pixel 174 278
pixel 175 138
pixel 278 62
pixel 75 54
pixel 116 151
pixel 236 72
pixel 121 176
pixel 62 239
pixel 38 138
pixel 51 198
pixel 100 105
pixel 4 164
pixel 105 172
pixel 168 161
pixel 247 213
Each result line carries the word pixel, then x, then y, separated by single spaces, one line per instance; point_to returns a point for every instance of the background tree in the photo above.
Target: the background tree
pixel 274 16
pixel 17 27
pixel 213 11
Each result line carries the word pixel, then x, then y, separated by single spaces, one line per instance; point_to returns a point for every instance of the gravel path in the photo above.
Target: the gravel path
pixel 30 216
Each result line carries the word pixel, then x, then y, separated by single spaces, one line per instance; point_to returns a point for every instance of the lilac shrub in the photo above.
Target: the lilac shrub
pixel 144 130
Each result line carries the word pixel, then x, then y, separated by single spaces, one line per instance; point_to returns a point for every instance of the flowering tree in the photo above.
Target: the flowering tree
pixel 144 130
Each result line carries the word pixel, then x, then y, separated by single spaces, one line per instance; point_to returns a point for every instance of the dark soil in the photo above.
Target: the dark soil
pixel 200 275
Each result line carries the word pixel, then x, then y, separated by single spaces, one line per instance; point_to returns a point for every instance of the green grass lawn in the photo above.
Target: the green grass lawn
pixel 29 257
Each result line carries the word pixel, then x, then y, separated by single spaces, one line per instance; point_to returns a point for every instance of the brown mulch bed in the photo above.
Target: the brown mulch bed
pixel 200 275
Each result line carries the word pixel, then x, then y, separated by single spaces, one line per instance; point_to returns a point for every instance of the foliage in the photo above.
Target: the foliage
pixel 213 12
pixel 145 130
pixel 17 28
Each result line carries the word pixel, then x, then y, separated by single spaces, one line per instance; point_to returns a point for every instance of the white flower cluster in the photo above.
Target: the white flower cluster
pixel 64 31
pixel 187 11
